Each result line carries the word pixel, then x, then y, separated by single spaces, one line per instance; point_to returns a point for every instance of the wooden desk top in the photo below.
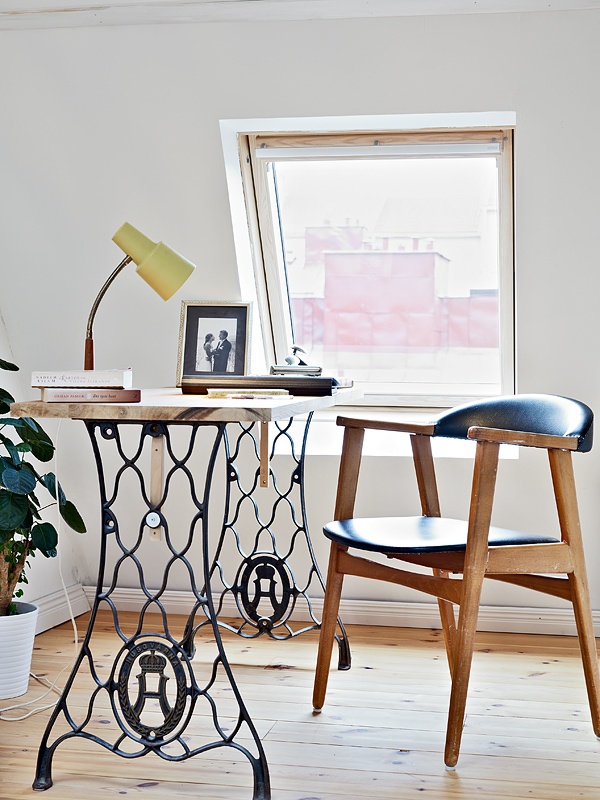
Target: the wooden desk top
pixel 169 404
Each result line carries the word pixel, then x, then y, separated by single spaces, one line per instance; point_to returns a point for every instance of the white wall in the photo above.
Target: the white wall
pixel 110 124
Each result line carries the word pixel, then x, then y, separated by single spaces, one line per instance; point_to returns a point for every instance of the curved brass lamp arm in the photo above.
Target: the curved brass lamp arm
pixel 89 340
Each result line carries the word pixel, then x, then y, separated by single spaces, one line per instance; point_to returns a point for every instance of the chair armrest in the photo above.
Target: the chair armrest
pixel 524 438
pixel 423 428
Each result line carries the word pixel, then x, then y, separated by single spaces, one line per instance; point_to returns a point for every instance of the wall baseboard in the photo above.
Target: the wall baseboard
pixel 507 619
pixel 54 607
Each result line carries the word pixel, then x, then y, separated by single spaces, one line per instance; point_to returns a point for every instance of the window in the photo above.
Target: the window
pixel 387 256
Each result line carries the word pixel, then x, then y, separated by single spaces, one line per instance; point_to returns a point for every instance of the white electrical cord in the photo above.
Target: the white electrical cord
pixel 52 685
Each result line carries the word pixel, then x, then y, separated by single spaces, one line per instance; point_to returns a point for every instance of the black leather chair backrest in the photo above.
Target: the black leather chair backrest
pixel 534 413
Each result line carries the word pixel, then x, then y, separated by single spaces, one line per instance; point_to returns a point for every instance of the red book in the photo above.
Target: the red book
pixel 73 395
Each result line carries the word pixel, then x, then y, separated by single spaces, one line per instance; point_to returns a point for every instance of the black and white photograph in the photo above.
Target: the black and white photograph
pixel 213 339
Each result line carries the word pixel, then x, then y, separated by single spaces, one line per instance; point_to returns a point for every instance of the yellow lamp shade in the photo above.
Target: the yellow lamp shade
pixel 162 268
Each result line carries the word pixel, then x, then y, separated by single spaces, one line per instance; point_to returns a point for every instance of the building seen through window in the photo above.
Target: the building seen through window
pixel 397 269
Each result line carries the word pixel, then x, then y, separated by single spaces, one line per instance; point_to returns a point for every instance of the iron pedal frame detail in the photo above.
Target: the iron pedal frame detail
pixel 157 656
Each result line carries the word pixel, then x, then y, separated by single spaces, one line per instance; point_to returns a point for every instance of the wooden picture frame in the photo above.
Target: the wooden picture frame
pixel 226 353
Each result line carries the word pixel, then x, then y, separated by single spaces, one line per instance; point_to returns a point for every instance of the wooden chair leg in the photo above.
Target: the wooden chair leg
pixel 448 621
pixel 461 670
pixel 484 478
pixel 587 644
pixel 561 467
pixel 331 607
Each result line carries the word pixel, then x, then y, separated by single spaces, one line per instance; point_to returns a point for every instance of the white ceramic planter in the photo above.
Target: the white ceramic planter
pixel 17 634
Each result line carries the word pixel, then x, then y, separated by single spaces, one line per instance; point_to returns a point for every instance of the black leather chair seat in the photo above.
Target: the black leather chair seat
pixel 417 534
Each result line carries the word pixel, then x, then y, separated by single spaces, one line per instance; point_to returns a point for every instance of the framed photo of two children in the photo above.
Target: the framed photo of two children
pixel 213 339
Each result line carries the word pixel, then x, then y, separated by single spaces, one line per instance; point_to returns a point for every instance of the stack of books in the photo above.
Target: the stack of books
pixel 86 386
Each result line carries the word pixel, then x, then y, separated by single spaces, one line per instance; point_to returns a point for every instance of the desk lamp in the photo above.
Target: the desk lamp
pixel 162 268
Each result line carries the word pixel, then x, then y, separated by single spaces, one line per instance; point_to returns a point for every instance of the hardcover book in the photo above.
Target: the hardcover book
pixel 84 378
pixel 295 384
pixel 54 394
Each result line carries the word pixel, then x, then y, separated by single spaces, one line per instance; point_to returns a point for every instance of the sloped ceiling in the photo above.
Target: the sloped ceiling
pixel 22 14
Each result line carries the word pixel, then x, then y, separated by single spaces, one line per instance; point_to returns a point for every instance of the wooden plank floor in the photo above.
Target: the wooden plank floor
pixel 380 735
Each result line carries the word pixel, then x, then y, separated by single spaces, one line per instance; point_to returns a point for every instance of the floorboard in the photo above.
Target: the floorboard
pixel 380 735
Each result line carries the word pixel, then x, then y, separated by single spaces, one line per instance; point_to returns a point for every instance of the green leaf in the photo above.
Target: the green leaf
pixel 11 449
pixel 33 501
pixel 49 481
pixel 14 508
pixel 5 400
pixel 5 463
pixel 31 423
pixel 5 536
pixel 16 423
pixel 23 447
pixel 45 538
pixel 41 444
pixel 71 516
pixel 28 466
pixel 8 366
pixel 19 481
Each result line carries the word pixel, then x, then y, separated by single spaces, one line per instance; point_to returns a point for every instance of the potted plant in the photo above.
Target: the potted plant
pixel 23 533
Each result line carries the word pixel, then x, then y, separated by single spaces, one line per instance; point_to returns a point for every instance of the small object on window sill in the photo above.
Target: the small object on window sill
pixel 295 358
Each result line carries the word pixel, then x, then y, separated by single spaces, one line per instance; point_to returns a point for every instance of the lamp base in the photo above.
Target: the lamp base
pixel 88 358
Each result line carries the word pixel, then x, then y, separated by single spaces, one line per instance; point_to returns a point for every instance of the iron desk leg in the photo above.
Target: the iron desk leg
pixel 268 531
pixel 146 699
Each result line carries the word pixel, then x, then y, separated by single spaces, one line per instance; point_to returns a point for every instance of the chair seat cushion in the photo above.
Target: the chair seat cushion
pixel 418 534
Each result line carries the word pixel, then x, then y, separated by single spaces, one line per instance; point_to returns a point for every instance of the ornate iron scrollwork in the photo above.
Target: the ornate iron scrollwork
pixel 152 658
pixel 152 686
pixel 269 581
pixel 272 580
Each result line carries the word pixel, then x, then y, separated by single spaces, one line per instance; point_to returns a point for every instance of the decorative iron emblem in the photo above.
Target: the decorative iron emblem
pixel 267 579
pixel 152 658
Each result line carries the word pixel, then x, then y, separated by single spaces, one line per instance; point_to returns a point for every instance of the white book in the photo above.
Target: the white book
pixel 84 378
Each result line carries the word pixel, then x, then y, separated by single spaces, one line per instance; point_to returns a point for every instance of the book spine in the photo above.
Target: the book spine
pixel 58 395
pixel 84 379
pixel 310 390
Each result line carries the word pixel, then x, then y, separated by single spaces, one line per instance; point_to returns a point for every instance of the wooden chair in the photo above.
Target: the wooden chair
pixel 472 548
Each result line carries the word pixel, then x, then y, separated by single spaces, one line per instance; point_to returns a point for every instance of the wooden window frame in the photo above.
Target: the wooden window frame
pixel 267 255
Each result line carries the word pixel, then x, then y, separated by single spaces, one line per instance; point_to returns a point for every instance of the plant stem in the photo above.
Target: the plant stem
pixel 10 571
